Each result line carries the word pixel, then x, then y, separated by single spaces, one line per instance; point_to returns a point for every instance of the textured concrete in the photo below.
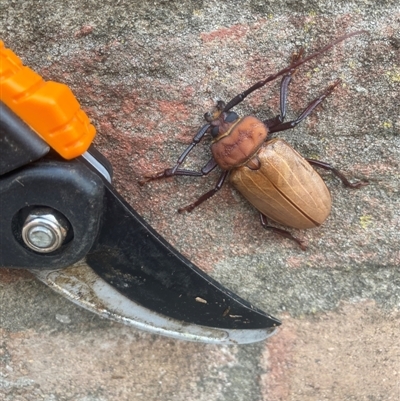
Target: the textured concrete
pixel 146 72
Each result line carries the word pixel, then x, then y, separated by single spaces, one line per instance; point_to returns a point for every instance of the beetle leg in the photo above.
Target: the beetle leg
pixel 210 166
pixel 307 111
pixel 168 172
pixel 283 95
pixel 175 170
pixel 272 122
pixel 207 195
pixel 283 233
pixel 196 139
pixel 338 174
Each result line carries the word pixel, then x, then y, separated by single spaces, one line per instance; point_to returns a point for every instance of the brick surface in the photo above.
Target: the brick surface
pixel 146 72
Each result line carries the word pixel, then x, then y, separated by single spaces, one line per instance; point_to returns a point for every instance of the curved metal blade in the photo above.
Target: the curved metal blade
pixel 81 285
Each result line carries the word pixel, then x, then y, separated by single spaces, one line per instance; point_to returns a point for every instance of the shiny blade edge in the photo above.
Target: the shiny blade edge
pixel 81 285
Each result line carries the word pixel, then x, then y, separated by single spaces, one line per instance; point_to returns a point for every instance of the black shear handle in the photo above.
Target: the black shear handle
pixel 19 144
pixel 31 177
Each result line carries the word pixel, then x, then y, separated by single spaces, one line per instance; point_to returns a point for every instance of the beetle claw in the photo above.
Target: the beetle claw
pixel 296 56
pixel 143 181
pixel 358 184
pixel 188 209
pixel 302 245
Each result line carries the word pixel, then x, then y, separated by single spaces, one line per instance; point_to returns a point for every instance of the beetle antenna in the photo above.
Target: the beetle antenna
pixel 239 98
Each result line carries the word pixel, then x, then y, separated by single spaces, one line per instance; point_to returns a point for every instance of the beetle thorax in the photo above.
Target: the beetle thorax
pixel 238 142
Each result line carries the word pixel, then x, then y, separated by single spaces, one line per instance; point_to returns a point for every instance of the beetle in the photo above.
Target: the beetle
pixel 281 184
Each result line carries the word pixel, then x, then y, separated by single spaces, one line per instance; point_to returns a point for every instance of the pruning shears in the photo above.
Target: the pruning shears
pixel 62 219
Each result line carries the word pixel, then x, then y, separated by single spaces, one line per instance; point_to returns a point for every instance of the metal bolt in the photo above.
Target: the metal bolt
pixel 44 230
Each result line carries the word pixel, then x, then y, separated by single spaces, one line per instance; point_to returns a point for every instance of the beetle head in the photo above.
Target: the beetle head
pixel 220 120
pixel 223 124
pixel 215 112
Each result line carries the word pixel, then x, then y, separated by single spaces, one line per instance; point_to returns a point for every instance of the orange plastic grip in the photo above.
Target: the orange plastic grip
pixel 49 108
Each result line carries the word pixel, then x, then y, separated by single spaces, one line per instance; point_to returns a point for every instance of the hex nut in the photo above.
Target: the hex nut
pixel 44 230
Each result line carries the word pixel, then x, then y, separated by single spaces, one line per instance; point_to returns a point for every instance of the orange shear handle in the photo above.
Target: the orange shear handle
pixel 49 108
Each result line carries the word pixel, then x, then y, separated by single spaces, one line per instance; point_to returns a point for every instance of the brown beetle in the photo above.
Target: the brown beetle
pixel 269 173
